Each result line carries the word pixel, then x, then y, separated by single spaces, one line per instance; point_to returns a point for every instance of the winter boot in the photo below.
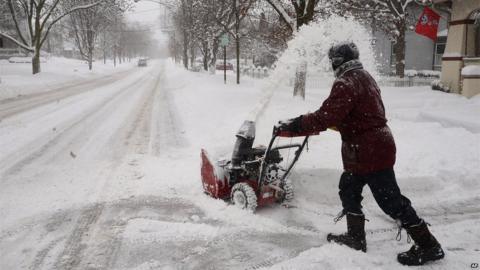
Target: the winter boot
pixel 355 236
pixel 426 247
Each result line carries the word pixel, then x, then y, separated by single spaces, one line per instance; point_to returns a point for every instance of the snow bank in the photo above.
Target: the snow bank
pixel 16 79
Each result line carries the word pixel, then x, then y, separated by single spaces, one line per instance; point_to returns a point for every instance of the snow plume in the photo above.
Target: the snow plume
pixel 311 45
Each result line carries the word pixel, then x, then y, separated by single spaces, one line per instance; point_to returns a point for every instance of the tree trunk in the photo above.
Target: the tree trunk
pixel 38 46
pixel 36 62
pixel 205 55
pixel 300 80
pixel 192 55
pixel 399 50
pixel 213 59
pixel 185 48
pixel 90 60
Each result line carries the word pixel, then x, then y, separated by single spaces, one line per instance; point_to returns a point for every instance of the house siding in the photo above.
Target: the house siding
pixel 419 50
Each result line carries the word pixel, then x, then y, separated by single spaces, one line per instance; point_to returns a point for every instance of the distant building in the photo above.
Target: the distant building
pixel 461 61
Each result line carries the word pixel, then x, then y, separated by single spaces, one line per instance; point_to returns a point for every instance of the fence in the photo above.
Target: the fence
pixel 321 82
pixel 256 72
pixel 406 82
pixel 314 81
pixel 6 53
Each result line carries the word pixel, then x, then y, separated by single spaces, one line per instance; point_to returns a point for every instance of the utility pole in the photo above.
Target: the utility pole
pixel 224 43
pixel 237 38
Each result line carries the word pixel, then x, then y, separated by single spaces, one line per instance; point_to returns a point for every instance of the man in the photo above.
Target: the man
pixel 356 110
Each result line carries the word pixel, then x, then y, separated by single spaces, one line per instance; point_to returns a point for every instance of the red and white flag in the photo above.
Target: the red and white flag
pixel 427 25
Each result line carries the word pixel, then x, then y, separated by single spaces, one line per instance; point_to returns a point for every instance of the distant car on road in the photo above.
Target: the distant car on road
pixel 142 62
pixel 227 66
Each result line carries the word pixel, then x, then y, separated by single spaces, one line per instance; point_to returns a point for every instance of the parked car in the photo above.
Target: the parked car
pixel 227 66
pixel 142 62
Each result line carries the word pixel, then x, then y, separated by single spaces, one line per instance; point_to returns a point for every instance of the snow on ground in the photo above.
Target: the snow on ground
pixel 16 79
pixel 110 179
pixel 437 167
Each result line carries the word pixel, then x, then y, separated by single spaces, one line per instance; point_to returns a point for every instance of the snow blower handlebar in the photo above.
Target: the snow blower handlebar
pixel 270 149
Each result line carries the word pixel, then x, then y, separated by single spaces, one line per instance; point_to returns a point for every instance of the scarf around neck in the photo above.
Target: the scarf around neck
pixel 347 66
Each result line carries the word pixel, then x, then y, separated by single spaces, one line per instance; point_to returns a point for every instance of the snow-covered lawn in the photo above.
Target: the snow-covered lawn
pixel 116 183
pixel 17 79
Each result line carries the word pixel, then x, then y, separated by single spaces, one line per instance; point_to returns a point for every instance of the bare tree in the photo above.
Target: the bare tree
pixel 390 16
pixel 197 22
pixel 88 24
pixel 296 13
pixel 238 10
pixel 39 16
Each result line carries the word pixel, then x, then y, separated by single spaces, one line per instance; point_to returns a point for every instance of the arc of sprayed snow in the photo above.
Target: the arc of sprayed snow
pixel 262 104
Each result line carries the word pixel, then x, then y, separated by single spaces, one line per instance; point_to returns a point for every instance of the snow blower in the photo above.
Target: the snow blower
pixel 255 176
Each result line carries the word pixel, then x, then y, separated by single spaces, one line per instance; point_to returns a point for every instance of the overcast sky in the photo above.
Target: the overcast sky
pixel 147 13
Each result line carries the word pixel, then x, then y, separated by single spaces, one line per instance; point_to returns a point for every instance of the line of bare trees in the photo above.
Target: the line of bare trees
pixel 200 24
pixel 98 28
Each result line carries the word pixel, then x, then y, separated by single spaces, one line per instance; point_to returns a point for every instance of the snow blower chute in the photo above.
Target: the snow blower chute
pixel 254 176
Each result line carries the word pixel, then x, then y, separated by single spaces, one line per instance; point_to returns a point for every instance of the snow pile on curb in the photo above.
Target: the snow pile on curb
pixel 471 71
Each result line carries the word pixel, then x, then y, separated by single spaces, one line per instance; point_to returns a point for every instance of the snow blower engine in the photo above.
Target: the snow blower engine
pixel 254 176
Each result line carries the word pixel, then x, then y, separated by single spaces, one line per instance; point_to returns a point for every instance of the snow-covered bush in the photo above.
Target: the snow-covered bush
pixel 411 73
pixel 439 86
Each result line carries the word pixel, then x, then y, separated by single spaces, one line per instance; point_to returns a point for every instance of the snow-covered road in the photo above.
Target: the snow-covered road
pixel 104 174
pixel 73 147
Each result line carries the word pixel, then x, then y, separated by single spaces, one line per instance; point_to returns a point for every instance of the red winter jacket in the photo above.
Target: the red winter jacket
pixel 356 109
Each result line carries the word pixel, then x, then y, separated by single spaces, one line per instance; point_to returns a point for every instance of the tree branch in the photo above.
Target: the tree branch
pixel 15 21
pixel 20 44
pixel 63 15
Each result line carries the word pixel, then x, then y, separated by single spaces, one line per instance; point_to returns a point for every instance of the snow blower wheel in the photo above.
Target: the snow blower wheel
pixel 243 196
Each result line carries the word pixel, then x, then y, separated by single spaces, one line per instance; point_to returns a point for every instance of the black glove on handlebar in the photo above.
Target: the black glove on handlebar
pixel 292 125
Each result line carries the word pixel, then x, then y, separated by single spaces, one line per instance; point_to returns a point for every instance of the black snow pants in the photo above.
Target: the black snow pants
pixel 386 192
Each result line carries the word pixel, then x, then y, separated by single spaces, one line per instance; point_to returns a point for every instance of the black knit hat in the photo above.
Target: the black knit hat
pixel 342 53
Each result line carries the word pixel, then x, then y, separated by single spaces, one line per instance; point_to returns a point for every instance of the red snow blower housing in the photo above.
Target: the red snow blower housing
pixel 254 176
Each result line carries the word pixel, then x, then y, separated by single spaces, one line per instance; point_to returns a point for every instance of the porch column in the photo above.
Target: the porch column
pixel 452 60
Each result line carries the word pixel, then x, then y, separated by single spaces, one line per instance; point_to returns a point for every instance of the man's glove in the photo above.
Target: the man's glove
pixel 291 125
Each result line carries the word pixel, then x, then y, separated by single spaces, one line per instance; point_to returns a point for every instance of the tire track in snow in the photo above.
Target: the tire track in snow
pixel 166 132
pixel 20 164
pixel 89 218
pixel 96 240
pixel 68 259
pixel 101 244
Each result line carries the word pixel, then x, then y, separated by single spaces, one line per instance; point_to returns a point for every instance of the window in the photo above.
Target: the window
pixel 1 43
pixel 438 53
pixel 477 35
